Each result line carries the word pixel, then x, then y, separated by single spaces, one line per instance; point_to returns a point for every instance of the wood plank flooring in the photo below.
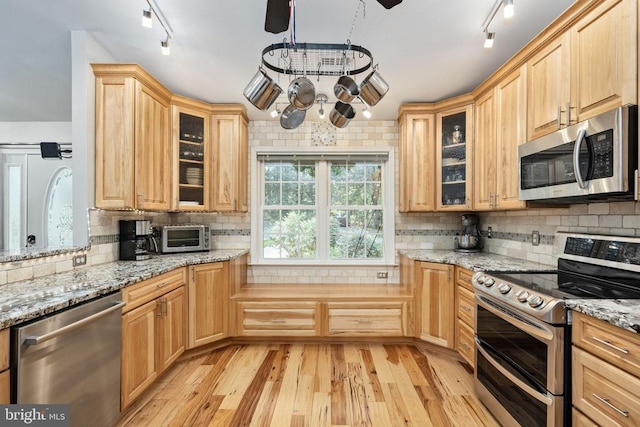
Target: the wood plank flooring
pixel 312 385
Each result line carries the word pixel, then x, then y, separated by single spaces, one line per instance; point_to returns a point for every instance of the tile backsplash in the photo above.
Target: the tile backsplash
pixel 511 230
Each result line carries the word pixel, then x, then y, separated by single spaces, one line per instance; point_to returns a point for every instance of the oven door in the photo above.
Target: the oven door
pixel 520 363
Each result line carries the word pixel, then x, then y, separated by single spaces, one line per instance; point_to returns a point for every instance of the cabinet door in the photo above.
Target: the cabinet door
pixel 242 172
pixel 436 303
pixel 419 161
pixel 454 137
pixel 226 134
pixel 548 88
pixel 115 185
pixel 208 303
pixel 485 154
pixel 153 150
pixel 139 368
pixel 604 59
pixel 511 112
pixel 171 327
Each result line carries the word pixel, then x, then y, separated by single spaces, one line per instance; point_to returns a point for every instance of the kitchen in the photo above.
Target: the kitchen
pixel 511 230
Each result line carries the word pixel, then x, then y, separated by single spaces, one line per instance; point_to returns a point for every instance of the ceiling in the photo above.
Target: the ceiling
pixel 426 50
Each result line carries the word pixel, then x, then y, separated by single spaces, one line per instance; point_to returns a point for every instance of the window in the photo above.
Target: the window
pixel 330 208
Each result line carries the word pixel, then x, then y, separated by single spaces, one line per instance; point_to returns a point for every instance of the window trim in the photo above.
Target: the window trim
pixel 388 204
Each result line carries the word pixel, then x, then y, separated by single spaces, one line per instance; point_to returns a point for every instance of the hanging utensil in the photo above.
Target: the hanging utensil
pixel 346 89
pixel 262 91
pixel 301 92
pixel 373 88
pixel 341 114
pixel 292 117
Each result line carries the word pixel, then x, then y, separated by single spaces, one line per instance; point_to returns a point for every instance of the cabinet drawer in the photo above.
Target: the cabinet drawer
pixel 611 343
pixel 5 387
pixel 466 306
pixel 278 319
pixel 463 278
pixel 466 343
pixel 143 292
pixel 4 349
pixel 606 394
pixel 353 319
pixel 580 420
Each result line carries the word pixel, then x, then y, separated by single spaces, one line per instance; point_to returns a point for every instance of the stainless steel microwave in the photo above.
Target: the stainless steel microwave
pixel 594 160
pixel 183 238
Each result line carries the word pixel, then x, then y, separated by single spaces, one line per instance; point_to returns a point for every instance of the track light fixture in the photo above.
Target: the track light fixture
pixel 147 21
pixel 488 40
pixel 164 45
pixel 508 14
pixel 508 9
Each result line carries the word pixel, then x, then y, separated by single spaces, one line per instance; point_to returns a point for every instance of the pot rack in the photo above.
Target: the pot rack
pixel 317 59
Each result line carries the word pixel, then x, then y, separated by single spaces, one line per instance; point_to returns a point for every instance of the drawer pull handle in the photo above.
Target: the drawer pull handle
pixel 465 308
pixel 608 344
pixel 162 285
pixel 465 346
pixel 363 320
pixel 278 321
pixel 605 400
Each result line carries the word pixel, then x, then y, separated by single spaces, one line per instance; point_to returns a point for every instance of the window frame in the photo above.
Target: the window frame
pixel 322 193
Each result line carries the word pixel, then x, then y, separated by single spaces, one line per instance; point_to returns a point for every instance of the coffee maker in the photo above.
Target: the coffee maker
pixel 136 239
pixel 468 240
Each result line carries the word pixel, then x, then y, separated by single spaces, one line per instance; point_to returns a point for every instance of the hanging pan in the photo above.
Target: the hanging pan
pixel 373 88
pixel 341 114
pixel 292 117
pixel 262 91
pixel 301 92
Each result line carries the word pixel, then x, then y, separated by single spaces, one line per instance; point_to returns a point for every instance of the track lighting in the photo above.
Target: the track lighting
pixel 146 19
pixel 166 50
pixel 488 41
pixel 507 5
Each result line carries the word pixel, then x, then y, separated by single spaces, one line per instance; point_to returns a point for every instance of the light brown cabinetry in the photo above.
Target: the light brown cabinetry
pixel 5 372
pixel 465 315
pixel 208 303
pixel 485 180
pixel 606 372
pixel 454 150
pixel 589 69
pixel 435 303
pixel 273 318
pixel 192 154
pixel 366 319
pixel 133 146
pixel 153 331
pixel 231 157
pixel 417 158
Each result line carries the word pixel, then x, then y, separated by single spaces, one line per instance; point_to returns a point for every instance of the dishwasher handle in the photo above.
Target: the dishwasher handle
pixel 72 326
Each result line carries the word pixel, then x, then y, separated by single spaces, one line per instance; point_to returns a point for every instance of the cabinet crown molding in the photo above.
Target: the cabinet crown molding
pixel 131 70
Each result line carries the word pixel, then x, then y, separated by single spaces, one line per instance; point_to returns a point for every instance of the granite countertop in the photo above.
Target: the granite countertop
pixel 29 299
pixel 618 312
pixel 476 261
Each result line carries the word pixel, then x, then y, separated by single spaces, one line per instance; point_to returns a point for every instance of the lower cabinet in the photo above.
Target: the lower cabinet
pixel 293 319
pixel 153 333
pixel 465 312
pixel 435 303
pixel 5 373
pixel 366 319
pixel 208 303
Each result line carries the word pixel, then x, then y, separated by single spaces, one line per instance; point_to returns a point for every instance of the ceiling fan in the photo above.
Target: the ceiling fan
pixel 278 14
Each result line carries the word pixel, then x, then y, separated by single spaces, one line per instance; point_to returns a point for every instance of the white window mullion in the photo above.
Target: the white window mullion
pixel 323 182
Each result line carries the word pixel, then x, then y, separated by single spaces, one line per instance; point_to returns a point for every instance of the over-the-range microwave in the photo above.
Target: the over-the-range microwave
pixel 593 160
pixel 183 238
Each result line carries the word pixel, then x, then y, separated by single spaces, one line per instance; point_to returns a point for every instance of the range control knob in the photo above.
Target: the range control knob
pixel 504 288
pixel 489 282
pixel 481 279
pixel 535 301
pixel 522 296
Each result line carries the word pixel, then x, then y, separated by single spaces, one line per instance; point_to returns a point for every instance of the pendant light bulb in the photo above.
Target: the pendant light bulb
pixel 275 112
pixel 321 112
pixel 164 44
pixel 366 112
pixel 146 19
pixel 508 9
pixel 488 41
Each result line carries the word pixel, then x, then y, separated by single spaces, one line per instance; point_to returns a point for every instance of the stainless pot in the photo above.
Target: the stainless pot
pixel 341 114
pixel 262 91
pixel 466 241
pixel 301 93
pixel 346 89
pixel 291 117
pixel 373 88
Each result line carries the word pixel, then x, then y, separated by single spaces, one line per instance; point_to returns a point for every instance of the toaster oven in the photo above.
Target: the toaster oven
pixel 183 238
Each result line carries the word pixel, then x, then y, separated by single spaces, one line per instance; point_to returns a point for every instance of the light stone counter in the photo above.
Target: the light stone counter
pixel 29 299
pixel 618 312
pixel 476 261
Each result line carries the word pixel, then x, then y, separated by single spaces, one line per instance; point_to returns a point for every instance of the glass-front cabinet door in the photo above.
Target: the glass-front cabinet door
pixel 454 133
pixel 192 169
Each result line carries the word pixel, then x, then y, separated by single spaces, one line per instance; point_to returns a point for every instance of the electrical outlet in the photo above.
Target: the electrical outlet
pixel 383 275
pixel 535 238
pixel 489 232
pixel 79 260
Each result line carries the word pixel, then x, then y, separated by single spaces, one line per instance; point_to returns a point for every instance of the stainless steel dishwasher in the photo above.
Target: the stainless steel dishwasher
pixel 72 357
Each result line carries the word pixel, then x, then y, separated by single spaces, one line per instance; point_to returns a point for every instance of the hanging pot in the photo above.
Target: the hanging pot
pixel 262 91
pixel 301 93
pixel 346 89
pixel 373 88
pixel 292 117
pixel 341 114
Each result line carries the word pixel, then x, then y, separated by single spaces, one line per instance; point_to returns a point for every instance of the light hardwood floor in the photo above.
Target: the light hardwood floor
pixel 313 385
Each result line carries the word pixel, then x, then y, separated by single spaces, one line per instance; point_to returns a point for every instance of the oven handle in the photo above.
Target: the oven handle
pixel 539 330
pixel 522 385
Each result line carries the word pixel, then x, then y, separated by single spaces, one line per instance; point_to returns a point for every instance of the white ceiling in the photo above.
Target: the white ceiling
pixel 426 50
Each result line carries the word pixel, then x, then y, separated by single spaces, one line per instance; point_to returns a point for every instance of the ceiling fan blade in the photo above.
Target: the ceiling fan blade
pixel 277 19
pixel 388 4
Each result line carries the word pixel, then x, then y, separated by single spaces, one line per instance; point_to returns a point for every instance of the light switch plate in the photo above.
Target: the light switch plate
pixel 535 238
pixel 79 260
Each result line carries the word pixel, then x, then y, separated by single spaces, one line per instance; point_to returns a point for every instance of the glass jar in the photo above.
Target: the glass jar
pixel 456 135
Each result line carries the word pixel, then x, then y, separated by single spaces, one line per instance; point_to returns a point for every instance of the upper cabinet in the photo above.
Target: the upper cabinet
pixel 417 158
pixel 133 148
pixel 454 137
pixel 231 157
pixel 485 183
pixel 589 69
pixel 192 153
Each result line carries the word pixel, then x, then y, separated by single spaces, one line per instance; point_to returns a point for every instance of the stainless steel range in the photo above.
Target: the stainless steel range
pixel 523 334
